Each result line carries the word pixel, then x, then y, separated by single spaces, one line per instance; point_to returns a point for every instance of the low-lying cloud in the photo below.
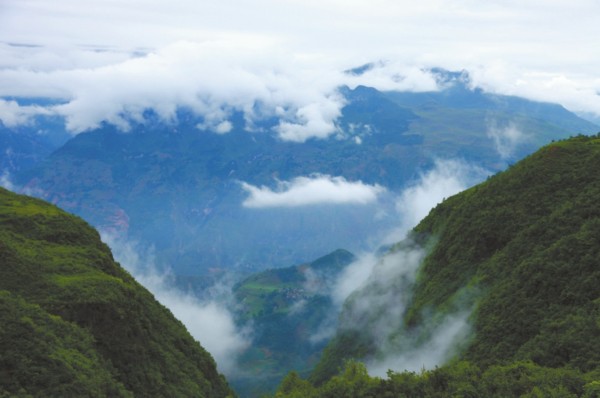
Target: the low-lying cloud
pixel 377 310
pixel 314 190
pixel 353 277
pixel 506 138
pixel 6 181
pixel 374 291
pixel 259 78
pixel 447 177
pixel 208 321
pixel 381 301
pixel 443 342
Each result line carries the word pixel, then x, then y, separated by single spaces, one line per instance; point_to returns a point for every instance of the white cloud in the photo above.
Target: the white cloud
pixel 394 75
pixel 353 277
pixel 6 182
pixel 208 321
pixel 114 59
pixel 212 79
pixel 576 91
pixel 381 300
pixel 313 190
pixel 506 138
pixel 12 114
pixel 376 293
pixel 440 346
pixel 313 120
pixel 224 127
pixel 446 178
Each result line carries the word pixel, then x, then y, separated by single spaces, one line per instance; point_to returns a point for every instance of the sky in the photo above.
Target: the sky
pixel 110 60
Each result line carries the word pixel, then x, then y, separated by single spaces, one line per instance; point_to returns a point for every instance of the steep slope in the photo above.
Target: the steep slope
pixel 530 239
pixel 521 253
pixel 74 323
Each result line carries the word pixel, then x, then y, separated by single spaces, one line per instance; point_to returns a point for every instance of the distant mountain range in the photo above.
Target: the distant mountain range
pixel 180 189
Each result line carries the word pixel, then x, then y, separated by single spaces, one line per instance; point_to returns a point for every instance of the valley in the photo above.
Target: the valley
pixel 224 218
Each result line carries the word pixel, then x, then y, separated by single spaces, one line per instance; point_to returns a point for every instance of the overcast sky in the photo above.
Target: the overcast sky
pixel 215 56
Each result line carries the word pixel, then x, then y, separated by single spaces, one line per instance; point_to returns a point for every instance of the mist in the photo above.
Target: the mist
pixel 441 345
pixel 376 309
pixel 507 138
pixel 209 320
pixel 373 293
pixel 5 181
pixel 447 177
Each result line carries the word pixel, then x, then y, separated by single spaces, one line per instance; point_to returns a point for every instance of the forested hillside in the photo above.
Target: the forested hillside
pixel 521 253
pixel 74 323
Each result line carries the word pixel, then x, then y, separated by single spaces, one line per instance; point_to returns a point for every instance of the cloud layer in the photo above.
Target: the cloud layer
pixel 212 79
pixel 314 190
pixel 113 60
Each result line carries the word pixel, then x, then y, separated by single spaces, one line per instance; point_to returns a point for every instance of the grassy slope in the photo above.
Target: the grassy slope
pixel 75 323
pixel 527 242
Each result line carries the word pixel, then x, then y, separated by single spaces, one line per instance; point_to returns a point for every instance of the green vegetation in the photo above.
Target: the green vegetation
pixel 526 246
pixel 277 290
pixel 74 323
pixel 287 307
pixel 461 379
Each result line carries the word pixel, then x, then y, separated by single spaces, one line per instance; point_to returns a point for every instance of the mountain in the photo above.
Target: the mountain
pixel 179 189
pixel 288 308
pixel 516 258
pixel 74 323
